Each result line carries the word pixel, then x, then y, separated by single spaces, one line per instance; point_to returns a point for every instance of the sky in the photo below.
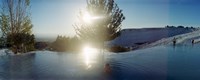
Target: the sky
pixel 56 17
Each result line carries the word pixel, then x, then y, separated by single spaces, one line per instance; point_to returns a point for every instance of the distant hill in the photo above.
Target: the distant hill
pixel 134 37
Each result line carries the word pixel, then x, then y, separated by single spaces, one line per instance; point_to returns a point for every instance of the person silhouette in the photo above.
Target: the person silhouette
pixel 192 41
pixel 107 68
pixel 174 41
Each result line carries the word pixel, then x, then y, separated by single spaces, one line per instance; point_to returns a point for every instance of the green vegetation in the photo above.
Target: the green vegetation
pixel 62 44
pixel 118 49
pixel 16 26
pixel 180 26
pixel 105 22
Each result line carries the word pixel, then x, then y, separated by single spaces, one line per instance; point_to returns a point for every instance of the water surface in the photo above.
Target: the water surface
pixel 158 63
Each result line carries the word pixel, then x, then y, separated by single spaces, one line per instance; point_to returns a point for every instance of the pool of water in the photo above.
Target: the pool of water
pixel 158 63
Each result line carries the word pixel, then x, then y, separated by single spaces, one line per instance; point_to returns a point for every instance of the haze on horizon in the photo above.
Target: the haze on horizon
pixel 56 17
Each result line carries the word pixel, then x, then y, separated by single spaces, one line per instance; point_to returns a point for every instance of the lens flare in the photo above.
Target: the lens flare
pixel 88 18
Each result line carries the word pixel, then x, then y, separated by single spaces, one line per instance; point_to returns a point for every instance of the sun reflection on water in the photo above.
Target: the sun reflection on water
pixel 89 54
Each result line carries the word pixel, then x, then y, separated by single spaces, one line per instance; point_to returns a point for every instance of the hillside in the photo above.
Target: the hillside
pixel 134 37
pixel 182 38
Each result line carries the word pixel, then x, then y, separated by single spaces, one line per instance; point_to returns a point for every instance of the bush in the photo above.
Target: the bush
pixel 118 49
pixel 21 42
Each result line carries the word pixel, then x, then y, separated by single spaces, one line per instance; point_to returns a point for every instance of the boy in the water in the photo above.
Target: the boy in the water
pixel 107 68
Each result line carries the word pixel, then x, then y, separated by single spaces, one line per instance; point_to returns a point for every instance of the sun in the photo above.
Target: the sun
pixel 87 17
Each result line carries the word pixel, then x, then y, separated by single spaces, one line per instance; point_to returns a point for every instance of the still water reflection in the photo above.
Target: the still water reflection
pixel 90 56
pixel 158 63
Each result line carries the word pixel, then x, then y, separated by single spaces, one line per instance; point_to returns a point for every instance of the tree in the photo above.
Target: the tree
pixel 23 42
pixel 60 44
pixel 63 43
pixel 100 22
pixel 167 26
pixel 16 24
pixel 180 26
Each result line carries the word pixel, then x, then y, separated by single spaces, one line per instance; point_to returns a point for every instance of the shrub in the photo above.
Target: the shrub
pixel 118 49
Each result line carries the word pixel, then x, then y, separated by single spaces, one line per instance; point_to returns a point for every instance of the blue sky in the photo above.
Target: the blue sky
pixel 56 17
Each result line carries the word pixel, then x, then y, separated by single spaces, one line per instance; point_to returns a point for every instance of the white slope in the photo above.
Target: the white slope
pixel 179 39
pixel 197 40
pixel 2 52
pixel 135 37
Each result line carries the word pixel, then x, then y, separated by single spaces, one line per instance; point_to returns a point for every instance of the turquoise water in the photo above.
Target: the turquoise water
pixel 158 63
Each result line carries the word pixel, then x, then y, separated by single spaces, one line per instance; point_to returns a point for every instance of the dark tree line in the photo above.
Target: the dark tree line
pixel 180 26
pixel 63 43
